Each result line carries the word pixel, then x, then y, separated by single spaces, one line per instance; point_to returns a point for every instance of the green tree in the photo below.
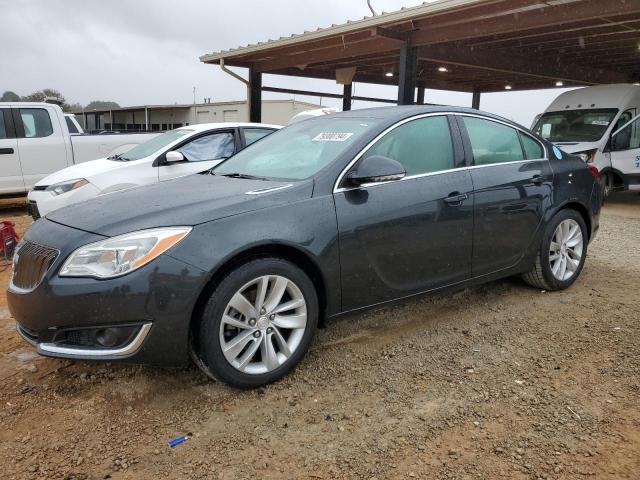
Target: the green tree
pixel 10 96
pixel 49 94
pixel 101 105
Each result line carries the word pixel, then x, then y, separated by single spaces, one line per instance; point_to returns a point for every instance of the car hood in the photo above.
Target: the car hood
pixel 81 170
pixel 574 147
pixel 187 201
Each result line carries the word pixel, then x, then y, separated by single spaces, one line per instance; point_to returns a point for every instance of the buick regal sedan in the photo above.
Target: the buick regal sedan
pixel 235 268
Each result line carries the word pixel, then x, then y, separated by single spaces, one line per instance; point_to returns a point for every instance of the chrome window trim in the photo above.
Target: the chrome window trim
pixel 337 189
pixel 128 349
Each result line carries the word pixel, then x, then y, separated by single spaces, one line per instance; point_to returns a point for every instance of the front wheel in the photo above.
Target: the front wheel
pixel 258 323
pixel 562 252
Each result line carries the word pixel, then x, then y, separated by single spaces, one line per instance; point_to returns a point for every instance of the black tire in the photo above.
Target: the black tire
pixel 541 275
pixel 606 186
pixel 210 349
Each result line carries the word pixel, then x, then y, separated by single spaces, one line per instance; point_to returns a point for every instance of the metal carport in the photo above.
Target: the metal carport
pixel 464 45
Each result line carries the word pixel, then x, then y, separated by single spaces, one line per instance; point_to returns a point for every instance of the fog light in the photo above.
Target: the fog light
pixel 107 337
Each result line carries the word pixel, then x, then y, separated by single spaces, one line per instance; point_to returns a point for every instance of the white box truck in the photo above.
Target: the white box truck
pixel 601 124
pixel 35 141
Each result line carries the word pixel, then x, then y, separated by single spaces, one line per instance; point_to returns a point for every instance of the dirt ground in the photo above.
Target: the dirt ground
pixel 499 381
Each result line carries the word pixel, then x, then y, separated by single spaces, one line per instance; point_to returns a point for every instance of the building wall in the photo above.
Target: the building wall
pixel 273 111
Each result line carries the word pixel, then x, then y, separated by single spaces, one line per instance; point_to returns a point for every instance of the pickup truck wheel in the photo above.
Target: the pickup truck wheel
pixel 562 252
pixel 258 323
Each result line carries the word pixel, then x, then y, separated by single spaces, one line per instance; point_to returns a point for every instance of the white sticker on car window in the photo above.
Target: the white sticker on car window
pixel 599 122
pixel 332 136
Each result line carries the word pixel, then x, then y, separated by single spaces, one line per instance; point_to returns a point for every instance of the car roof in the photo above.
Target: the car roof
pixel 201 127
pixel 397 113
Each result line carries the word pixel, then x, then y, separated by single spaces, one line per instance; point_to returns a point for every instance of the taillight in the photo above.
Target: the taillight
pixel 594 171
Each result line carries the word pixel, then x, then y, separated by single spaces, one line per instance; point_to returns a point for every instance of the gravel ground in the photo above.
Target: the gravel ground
pixel 498 381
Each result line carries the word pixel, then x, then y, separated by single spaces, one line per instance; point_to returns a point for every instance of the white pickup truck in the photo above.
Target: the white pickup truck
pixel 35 141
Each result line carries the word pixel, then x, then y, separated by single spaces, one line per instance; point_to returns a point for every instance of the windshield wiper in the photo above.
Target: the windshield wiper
pixel 243 175
pixel 118 157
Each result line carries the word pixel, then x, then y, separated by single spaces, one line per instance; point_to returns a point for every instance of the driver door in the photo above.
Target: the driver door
pixel 625 152
pixel 403 237
pixel 200 153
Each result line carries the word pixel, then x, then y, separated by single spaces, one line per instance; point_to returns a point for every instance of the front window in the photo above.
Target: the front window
pixel 209 147
pixel 421 146
pixel 152 146
pixel 575 125
pixel 299 150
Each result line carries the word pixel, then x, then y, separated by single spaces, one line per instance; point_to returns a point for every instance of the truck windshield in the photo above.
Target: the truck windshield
pixel 297 151
pixel 152 146
pixel 575 125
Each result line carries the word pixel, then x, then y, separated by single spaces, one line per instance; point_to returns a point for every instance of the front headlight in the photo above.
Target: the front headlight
pixel 64 187
pixel 588 156
pixel 122 254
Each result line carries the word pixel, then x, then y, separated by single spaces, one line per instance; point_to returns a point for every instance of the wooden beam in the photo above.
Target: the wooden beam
pixel 255 96
pixel 346 97
pixel 545 16
pixel 400 37
pixel 407 75
pixel 303 59
pixel 475 99
pixel 485 60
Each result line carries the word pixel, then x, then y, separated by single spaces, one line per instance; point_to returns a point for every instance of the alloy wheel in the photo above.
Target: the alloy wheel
pixel 565 250
pixel 263 324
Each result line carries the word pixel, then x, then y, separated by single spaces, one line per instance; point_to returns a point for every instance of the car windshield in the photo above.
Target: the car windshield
pixel 297 151
pixel 575 125
pixel 152 146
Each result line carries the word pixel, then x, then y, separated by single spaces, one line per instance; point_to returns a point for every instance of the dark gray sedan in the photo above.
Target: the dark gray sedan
pixel 330 215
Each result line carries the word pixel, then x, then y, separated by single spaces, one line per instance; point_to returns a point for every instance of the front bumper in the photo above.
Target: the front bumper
pixel 44 202
pixel 154 303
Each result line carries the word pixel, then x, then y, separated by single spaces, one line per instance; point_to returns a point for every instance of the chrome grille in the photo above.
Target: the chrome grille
pixel 31 264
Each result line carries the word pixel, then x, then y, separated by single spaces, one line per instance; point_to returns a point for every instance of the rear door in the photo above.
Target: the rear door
pixel 11 180
pixel 41 142
pixel 512 182
pixel 201 153
pixel 407 236
pixel 625 153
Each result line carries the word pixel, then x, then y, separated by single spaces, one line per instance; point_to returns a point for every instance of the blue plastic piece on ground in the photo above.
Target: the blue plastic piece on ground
pixel 178 440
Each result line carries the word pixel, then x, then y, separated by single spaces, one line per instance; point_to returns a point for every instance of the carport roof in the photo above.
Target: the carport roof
pixel 484 45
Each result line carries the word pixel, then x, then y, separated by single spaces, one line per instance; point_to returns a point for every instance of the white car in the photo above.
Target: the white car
pixel 173 154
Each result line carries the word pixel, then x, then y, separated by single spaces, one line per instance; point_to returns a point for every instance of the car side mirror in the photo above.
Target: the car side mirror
pixel 375 169
pixel 173 156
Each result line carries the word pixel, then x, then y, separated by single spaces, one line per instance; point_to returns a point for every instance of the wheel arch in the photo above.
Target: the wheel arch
pixel 617 175
pixel 278 250
pixel 582 210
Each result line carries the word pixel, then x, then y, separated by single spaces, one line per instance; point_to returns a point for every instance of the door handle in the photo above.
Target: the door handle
pixel 456 198
pixel 6 151
pixel 537 179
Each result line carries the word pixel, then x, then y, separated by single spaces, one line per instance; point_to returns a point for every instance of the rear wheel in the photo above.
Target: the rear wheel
pixel 562 252
pixel 606 185
pixel 258 323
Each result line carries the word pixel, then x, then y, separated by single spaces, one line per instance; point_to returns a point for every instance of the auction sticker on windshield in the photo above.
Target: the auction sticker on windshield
pixel 332 136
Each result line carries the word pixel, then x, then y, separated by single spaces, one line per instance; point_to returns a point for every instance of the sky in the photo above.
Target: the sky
pixel 146 51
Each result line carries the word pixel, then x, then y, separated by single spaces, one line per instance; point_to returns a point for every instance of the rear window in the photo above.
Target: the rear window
pixel 532 148
pixel 3 128
pixel 36 122
pixel 70 125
